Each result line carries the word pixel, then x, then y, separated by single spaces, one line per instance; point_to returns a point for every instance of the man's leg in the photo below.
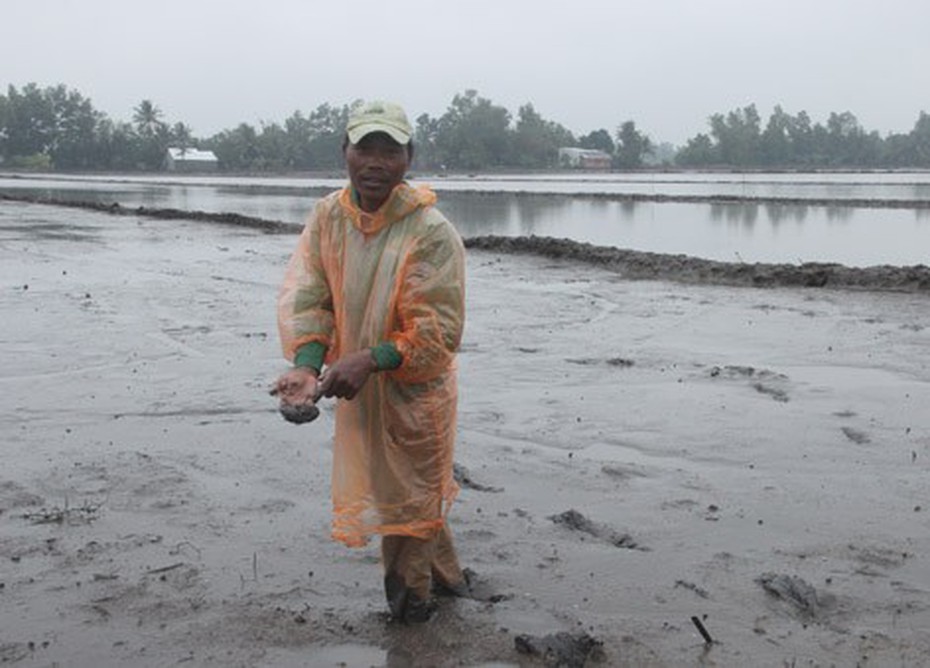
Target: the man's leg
pixel 407 567
pixel 448 577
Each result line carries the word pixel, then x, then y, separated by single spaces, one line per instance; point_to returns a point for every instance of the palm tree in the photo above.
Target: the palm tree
pixel 147 118
pixel 152 135
pixel 181 136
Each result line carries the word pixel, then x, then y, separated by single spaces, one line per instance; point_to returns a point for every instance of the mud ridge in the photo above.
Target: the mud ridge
pixel 832 202
pixel 115 209
pixel 686 269
pixel 630 263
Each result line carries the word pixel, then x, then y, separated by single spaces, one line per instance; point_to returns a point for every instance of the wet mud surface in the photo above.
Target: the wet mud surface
pixel 766 450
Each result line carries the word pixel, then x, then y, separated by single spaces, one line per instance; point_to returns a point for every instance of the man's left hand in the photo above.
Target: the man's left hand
pixel 347 375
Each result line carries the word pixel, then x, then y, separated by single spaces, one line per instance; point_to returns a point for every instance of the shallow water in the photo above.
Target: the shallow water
pixel 580 208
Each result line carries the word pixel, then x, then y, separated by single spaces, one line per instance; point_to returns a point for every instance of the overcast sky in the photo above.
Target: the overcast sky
pixel 666 64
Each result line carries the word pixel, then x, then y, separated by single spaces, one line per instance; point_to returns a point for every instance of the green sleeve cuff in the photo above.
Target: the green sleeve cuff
pixel 386 356
pixel 310 355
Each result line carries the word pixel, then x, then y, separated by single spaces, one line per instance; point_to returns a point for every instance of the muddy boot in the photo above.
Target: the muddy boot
pixel 461 589
pixel 418 611
pixel 395 589
pixel 471 587
pixel 405 606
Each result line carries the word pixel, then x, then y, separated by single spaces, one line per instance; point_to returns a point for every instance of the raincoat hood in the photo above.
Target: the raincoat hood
pixel 402 201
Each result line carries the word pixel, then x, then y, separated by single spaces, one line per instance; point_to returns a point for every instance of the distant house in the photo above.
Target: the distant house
pixel 190 160
pixel 584 158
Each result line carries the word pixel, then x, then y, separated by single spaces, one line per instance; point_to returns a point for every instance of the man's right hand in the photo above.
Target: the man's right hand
pixel 298 390
pixel 297 386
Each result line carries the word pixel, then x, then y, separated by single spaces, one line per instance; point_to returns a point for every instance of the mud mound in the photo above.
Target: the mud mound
pixel 642 265
pixel 562 649
pixel 115 209
pixel 578 522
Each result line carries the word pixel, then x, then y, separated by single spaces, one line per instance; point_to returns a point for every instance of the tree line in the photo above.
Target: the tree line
pixel 57 128
pixel 739 139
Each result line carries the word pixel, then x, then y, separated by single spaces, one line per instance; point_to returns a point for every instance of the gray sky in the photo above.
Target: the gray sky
pixel 588 64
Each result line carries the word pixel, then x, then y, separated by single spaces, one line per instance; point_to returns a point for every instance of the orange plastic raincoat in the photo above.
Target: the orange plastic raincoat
pixel 357 280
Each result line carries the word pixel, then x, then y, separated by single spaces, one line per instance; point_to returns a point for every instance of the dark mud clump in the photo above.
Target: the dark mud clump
pixel 856 436
pixel 300 413
pixel 562 649
pixel 464 478
pixel 763 381
pixel 797 592
pixel 642 265
pixel 578 522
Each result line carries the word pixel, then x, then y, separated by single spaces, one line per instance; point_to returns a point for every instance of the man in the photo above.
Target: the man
pixel 371 312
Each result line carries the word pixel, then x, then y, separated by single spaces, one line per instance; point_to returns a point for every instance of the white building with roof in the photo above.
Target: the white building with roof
pixel 190 160
pixel 584 158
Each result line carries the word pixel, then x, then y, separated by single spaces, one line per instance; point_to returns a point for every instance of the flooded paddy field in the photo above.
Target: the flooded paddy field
pixel 635 454
pixel 855 219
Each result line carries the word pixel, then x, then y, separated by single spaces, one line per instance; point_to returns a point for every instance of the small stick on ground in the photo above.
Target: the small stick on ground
pixel 164 569
pixel 700 627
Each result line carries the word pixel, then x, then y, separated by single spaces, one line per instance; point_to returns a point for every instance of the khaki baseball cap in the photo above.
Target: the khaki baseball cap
pixel 379 116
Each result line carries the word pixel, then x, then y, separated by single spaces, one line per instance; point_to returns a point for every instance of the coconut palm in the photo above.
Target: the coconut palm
pixel 147 118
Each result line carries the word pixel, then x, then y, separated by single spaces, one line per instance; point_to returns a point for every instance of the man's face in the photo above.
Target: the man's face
pixel 376 164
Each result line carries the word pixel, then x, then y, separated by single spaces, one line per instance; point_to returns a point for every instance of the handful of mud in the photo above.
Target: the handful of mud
pixel 299 414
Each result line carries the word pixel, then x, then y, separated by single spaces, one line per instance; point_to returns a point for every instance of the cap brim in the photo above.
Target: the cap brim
pixel 359 132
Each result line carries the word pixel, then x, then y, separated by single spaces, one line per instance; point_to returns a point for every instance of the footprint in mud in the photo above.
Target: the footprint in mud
pixel 162 594
pixel 186 330
pixel 856 436
pixel 871 557
pixel 13 495
pixel 620 362
pixel 135 480
pixel 578 522
pixel 801 597
pixel 690 586
pixel 269 506
pixel 774 392
pixel 763 381
pixel 622 472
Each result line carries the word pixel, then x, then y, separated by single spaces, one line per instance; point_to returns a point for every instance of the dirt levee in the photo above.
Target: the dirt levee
pixel 641 265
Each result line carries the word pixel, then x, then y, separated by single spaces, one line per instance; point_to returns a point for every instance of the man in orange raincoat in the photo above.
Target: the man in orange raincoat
pixel 371 312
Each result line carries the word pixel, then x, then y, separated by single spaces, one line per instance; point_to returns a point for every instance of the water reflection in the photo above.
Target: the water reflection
pixel 776 213
pixel 733 214
pixel 752 231
pixel 839 214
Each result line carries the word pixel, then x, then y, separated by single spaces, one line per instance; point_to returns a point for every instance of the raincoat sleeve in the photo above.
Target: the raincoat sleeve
pixel 430 305
pixel 305 302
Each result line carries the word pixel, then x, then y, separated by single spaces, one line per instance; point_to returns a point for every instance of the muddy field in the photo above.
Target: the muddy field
pixel 657 472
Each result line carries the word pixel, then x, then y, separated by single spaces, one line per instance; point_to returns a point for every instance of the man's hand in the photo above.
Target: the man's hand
pixel 298 390
pixel 346 377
